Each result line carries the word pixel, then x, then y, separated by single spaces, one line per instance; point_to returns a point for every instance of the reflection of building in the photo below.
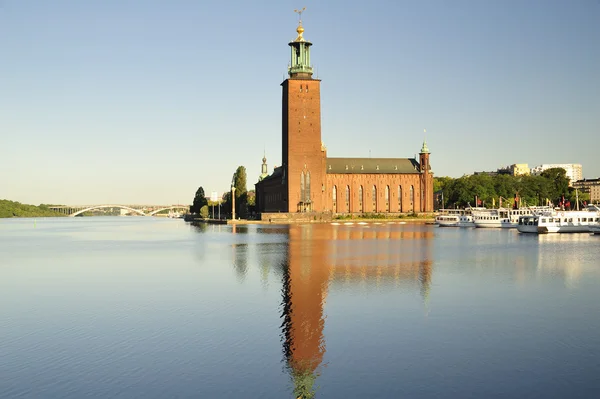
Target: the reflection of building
pixel 574 170
pixel 320 254
pixel 308 181
pixel 590 186
pixel 555 261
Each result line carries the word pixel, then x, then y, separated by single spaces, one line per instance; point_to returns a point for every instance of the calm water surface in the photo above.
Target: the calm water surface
pixel 153 308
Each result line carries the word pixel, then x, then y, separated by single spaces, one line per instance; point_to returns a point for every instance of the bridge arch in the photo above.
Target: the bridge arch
pixel 184 207
pixel 107 206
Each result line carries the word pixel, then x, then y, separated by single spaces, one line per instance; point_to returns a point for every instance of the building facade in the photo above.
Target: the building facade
pixel 590 186
pixel 520 169
pixel 308 181
pixel 574 170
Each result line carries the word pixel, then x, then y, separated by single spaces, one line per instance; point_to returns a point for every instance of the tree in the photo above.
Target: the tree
pixel 559 182
pixel 199 201
pixel 239 181
pixel 441 183
pixel 204 211
pixel 241 196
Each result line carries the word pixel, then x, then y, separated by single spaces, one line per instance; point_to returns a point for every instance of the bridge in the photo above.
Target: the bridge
pixel 141 210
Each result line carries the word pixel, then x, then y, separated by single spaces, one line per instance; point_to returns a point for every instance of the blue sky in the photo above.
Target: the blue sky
pixel 142 101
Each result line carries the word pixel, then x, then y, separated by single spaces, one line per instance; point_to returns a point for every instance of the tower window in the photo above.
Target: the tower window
pixel 387 198
pixel 399 198
pixel 347 198
pixel 374 198
pixel 334 198
pixel 360 199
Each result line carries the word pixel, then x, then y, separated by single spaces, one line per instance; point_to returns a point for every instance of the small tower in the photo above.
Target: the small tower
pixel 300 67
pixel 426 179
pixel 263 170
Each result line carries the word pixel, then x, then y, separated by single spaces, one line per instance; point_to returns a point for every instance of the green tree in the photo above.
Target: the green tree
pixel 559 182
pixel 9 209
pixel 251 198
pixel 199 201
pixel 204 211
pixel 241 196
pixel 440 183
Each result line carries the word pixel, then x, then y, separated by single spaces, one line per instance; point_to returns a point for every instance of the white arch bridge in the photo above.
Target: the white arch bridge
pixel 141 210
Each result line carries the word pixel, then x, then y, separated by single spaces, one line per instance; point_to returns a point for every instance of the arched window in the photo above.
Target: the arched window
pixel 387 198
pixel 374 199
pixel 347 198
pixel 412 198
pixel 360 200
pixel 307 187
pixel 334 199
pixel 399 198
pixel 302 188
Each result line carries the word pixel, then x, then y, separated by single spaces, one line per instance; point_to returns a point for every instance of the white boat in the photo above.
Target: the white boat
pixel 595 228
pixel 505 218
pixel 455 217
pixel 560 222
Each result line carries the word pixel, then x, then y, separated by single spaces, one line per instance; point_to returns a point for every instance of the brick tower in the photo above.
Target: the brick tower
pixel 426 180
pixel 303 156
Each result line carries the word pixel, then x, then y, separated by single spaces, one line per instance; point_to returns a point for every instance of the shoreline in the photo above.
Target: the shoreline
pixel 339 221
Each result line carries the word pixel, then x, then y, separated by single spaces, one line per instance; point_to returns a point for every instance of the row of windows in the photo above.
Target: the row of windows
pixel 570 220
pixel 374 198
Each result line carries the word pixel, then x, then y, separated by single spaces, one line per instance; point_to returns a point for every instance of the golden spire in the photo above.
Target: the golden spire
pixel 300 29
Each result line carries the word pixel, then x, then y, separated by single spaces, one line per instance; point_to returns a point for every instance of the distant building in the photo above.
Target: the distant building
pixel 590 186
pixel 574 170
pixel 501 171
pixel 519 169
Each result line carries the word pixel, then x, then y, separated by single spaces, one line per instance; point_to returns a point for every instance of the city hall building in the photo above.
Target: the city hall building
pixel 310 182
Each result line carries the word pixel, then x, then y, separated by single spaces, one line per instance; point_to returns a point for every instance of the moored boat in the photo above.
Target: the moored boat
pixel 560 222
pixel 455 217
pixel 505 218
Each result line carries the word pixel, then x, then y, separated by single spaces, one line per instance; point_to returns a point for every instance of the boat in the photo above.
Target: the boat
pixel 456 217
pixel 505 218
pixel 560 222
pixel 595 228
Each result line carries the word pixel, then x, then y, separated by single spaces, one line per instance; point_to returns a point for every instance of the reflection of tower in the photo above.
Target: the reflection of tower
pixel 379 257
pixel 305 287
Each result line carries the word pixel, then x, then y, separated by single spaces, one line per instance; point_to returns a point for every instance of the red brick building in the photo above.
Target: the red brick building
pixel 308 181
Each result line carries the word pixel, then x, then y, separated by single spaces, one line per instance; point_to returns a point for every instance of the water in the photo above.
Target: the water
pixel 145 307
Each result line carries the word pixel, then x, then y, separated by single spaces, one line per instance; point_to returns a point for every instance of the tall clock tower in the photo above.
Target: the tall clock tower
pixel 426 180
pixel 303 155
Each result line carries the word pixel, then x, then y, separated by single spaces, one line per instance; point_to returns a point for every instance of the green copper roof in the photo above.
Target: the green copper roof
pixel 424 149
pixel 300 60
pixel 372 165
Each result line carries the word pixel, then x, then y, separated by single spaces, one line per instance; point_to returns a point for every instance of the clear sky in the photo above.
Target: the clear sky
pixel 142 101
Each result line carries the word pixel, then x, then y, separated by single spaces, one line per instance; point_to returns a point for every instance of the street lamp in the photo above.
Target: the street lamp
pixel 232 202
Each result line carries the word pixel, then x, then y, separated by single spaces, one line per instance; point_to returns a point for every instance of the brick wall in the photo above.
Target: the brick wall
pixel 380 181
pixel 301 140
